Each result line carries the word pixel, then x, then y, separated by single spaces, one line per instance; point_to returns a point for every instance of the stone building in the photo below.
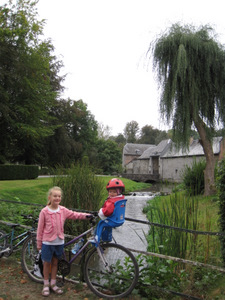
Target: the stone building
pixel 164 162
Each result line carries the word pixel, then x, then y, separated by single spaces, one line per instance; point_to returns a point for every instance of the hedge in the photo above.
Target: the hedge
pixel 16 172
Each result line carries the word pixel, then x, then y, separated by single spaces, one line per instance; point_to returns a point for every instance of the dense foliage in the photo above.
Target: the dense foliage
pixel 107 157
pixel 29 83
pixel 74 136
pixel 157 277
pixel 37 126
pixel 220 184
pixel 16 172
pixel 193 177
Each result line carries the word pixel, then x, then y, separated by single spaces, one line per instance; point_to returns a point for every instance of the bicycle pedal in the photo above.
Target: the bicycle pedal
pixel 6 250
pixel 60 283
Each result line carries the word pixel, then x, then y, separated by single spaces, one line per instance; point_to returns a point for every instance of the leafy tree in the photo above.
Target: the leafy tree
pixel 220 132
pixel 29 83
pixel 147 135
pixel 108 156
pixel 120 139
pixel 75 135
pixel 130 131
pixel 150 135
pixel 86 130
pixel 191 70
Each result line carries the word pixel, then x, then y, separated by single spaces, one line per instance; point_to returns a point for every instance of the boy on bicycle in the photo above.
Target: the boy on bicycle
pixel 115 188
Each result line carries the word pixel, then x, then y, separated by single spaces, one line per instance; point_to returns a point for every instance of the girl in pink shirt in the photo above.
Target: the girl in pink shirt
pixel 50 236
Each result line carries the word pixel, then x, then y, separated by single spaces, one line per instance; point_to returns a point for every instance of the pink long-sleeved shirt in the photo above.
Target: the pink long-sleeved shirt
pixel 51 224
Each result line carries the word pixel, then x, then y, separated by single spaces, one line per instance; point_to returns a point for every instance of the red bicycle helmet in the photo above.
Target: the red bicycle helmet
pixel 115 183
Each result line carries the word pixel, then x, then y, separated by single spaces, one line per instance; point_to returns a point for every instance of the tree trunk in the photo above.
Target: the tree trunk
pixel 209 175
pixel 209 183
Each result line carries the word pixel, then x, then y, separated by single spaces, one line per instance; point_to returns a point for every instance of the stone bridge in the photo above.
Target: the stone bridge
pixel 142 177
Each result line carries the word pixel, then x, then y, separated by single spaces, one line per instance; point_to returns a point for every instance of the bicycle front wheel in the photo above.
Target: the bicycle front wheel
pixel 28 258
pixel 3 242
pixel 115 274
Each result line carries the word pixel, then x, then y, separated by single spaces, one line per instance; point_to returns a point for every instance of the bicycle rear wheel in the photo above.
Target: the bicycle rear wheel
pixel 28 258
pixel 115 280
pixel 3 242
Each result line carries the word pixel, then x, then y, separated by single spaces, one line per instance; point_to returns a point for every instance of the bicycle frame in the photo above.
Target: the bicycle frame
pixel 10 237
pixel 21 237
pixel 82 248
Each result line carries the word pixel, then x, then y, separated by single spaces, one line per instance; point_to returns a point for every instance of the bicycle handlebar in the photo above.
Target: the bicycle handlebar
pixel 92 217
pixel 27 216
pixel 30 217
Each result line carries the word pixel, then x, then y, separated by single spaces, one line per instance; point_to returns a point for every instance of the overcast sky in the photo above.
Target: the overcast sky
pixel 103 44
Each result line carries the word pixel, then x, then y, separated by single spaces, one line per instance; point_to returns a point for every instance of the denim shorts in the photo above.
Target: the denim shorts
pixel 48 251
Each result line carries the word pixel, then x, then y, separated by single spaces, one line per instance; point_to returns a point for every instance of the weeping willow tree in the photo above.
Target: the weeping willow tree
pixel 190 65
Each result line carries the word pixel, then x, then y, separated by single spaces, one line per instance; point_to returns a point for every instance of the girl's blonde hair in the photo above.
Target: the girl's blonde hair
pixel 50 191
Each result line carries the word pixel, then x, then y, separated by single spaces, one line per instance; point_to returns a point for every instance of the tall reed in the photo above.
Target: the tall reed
pixel 178 211
pixel 82 190
pixel 182 211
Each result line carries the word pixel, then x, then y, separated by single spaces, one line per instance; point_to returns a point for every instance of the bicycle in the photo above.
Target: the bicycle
pixel 110 270
pixel 8 242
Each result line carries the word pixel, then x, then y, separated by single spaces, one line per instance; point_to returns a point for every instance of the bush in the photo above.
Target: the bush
pixel 18 172
pixel 82 190
pixel 157 277
pixel 193 177
pixel 220 184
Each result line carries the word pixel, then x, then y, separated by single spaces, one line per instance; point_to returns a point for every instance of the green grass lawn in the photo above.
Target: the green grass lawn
pixel 35 191
pixel 31 191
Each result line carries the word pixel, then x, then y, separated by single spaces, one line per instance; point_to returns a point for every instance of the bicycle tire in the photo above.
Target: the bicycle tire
pixel 122 277
pixel 3 242
pixel 28 256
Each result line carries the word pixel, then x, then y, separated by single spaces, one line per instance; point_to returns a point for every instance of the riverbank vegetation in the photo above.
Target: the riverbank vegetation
pixel 197 213
pixel 186 209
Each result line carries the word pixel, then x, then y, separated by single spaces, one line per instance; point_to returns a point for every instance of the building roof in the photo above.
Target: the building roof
pixel 156 150
pixel 195 149
pixel 135 149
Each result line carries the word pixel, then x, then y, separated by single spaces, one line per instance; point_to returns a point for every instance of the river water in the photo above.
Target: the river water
pixel 132 234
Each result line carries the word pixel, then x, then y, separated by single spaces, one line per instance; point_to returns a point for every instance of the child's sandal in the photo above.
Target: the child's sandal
pixel 56 289
pixel 45 292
